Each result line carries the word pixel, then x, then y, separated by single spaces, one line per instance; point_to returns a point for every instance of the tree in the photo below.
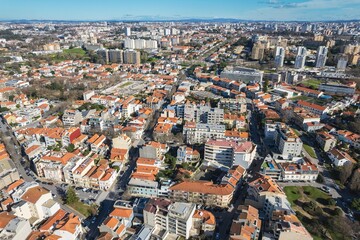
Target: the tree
pixel 70 147
pixel 266 85
pixel 355 181
pixel 320 178
pixel 355 204
pixel 71 196
pixel 345 172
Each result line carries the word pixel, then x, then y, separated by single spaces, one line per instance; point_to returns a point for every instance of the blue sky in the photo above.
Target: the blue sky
pixel 180 9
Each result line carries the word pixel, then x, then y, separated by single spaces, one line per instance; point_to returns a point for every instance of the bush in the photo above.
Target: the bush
pixel 320 178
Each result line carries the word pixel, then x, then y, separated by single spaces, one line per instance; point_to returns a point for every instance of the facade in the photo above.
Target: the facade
pixel 247 225
pixel 132 57
pixel 340 158
pixel 200 132
pixel 338 88
pixel 279 57
pixel 203 114
pixel 72 117
pixel 33 202
pixel 203 192
pixel 300 58
pixel 321 57
pixel 179 218
pixel 325 140
pixel 116 56
pixel 287 142
pixel 230 153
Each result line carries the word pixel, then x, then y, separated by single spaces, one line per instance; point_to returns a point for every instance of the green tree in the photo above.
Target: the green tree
pixel 70 147
pixel 71 196
pixel 266 85
pixel 355 204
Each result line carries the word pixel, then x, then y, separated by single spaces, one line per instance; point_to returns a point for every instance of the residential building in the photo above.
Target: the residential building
pixel 33 202
pixel 300 58
pixel 116 56
pixel 230 153
pixel 187 155
pixel 321 57
pixel 208 193
pixel 325 140
pixel 340 158
pixel 334 88
pixel 279 57
pixel 62 225
pixel 71 117
pixel 174 217
pixel 261 188
pixel 247 225
pixel 233 104
pixel 13 227
pixel 131 57
pixel 203 114
pixel 287 142
pixel 200 132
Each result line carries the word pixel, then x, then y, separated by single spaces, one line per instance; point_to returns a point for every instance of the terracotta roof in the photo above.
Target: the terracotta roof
pixel 111 222
pixel 34 194
pixel 5 218
pixel 206 216
pixel 121 212
pixel 14 185
pixel 46 226
pixel 204 187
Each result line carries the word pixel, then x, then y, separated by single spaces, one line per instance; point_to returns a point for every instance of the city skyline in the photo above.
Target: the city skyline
pixel 141 10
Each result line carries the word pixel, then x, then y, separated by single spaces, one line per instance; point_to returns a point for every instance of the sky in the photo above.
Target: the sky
pixel 280 10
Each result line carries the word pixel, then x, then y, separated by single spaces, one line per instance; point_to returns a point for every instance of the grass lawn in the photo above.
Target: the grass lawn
pixel 125 84
pixel 315 193
pixel 312 83
pixel 83 208
pixel 76 51
pixel 292 194
pixel 309 150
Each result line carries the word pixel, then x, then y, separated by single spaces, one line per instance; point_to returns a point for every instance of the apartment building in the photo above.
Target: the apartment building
pixel 334 88
pixel 8 170
pixel 175 217
pixel 62 225
pixel 203 114
pixel 202 192
pixel 325 140
pixel 287 142
pixel 50 166
pixel 247 225
pixel 132 57
pixel 340 158
pixel 233 104
pixel 230 153
pixel 72 117
pixel 153 150
pixel 261 188
pixel 200 132
pixel 13 227
pixel 313 108
pixel 187 155
pixel 33 202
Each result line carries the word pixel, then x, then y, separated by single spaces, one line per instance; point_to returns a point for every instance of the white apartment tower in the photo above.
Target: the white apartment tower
pixel 300 58
pixel 321 56
pixel 128 31
pixel 279 57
